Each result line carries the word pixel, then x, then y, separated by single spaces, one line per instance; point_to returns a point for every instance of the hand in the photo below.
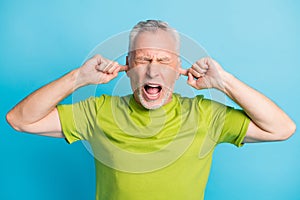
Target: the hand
pixel 98 70
pixel 205 73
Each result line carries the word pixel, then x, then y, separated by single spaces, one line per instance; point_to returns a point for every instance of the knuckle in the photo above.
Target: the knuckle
pixel 102 67
pixel 111 70
pixel 196 74
pixel 194 66
pixel 98 56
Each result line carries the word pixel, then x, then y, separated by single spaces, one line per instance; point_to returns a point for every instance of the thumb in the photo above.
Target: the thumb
pixel 191 81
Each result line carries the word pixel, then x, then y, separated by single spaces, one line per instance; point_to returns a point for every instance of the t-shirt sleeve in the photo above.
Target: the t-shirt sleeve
pixel 235 127
pixel 226 124
pixel 77 120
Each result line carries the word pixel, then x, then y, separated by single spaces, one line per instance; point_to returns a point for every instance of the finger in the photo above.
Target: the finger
pixel 123 68
pixel 195 73
pixel 204 63
pixel 183 71
pixel 107 66
pixel 116 71
pixel 97 58
pixel 112 67
pixel 200 69
pixel 101 66
pixel 191 81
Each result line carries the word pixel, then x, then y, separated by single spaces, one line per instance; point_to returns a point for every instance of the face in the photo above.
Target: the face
pixel 153 68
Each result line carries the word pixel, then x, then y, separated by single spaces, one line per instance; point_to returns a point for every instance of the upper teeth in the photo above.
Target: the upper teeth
pixel 153 85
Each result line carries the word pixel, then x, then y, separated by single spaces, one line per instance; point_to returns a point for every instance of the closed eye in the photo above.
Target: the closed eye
pixel 164 60
pixel 142 59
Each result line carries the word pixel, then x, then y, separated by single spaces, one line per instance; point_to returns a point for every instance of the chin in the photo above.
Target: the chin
pixel 153 101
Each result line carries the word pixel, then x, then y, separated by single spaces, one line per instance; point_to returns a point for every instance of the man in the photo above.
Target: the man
pixel 152 144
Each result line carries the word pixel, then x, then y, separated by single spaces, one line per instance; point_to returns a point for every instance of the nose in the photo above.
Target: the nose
pixel 152 70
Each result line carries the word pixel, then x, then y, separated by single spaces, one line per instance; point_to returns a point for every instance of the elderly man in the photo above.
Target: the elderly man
pixel 152 144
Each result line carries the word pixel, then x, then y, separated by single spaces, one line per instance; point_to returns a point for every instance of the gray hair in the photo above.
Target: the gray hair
pixel 152 26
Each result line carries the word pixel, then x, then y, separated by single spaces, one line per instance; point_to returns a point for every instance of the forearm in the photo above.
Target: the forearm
pixel 37 113
pixel 41 102
pixel 261 110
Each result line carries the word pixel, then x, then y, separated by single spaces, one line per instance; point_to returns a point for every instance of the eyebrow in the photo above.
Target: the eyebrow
pixel 164 58
pixel 142 57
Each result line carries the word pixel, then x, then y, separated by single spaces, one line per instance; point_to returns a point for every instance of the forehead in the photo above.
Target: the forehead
pixel 160 41
pixel 151 52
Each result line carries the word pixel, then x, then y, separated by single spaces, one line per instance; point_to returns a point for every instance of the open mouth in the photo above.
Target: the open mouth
pixel 152 91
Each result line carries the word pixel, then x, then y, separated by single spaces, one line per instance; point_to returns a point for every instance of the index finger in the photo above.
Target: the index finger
pixel 123 68
pixel 183 71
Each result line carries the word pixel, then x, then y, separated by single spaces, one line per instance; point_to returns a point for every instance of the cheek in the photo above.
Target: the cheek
pixel 136 76
pixel 170 75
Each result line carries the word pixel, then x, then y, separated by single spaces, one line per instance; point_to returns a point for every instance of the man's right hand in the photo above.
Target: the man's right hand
pixel 37 113
pixel 98 70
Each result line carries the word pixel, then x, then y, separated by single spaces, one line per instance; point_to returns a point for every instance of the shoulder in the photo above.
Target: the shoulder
pixel 201 104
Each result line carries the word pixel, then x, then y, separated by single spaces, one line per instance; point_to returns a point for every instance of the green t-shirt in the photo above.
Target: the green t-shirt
pixel 157 154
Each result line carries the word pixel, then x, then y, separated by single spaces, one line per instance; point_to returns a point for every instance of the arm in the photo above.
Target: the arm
pixel 268 121
pixel 37 113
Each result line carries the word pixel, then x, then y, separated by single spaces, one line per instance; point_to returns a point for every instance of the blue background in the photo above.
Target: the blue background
pixel 258 41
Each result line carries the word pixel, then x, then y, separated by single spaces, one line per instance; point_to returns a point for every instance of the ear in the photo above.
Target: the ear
pixel 178 67
pixel 127 63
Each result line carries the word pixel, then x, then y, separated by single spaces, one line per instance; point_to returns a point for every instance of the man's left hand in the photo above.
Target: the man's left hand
pixel 205 73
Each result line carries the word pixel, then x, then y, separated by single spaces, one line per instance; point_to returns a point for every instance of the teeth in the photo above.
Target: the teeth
pixel 153 95
pixel 153 85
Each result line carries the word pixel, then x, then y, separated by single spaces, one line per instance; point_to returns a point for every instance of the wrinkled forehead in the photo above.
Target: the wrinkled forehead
pixel 154 52
pixel 159 40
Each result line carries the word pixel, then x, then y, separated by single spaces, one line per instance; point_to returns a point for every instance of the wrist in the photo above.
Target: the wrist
pixel 224 84
pixel 74 78
pixel 78 79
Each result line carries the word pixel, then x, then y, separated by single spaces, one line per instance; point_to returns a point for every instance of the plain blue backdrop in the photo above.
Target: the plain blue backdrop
pixel 258 41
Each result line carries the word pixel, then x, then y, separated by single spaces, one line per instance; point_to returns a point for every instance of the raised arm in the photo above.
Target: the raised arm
pixel 268 121
pixel 37 113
